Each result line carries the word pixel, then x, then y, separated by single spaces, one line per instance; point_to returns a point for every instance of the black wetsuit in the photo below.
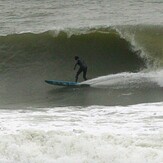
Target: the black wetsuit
pixel 83 68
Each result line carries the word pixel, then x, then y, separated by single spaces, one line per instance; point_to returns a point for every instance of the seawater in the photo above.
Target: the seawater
pixel 83 134
pixel 117 119
pixel 37 16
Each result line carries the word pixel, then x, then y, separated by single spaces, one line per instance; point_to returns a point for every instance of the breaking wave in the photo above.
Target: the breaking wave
pixel 27 59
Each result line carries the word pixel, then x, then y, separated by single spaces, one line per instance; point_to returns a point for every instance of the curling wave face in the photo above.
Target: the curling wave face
pixel 28 59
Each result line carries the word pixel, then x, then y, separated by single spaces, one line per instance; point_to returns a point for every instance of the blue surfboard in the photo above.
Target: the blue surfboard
pixel 64 83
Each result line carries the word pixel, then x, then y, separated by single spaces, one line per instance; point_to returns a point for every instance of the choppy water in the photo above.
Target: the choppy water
pixel 34 15
pixel 119 118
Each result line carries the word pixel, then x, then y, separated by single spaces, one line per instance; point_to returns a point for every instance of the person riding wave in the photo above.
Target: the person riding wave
pixel 82 68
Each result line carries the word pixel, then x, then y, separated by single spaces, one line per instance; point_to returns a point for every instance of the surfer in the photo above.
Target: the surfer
pixel 82 68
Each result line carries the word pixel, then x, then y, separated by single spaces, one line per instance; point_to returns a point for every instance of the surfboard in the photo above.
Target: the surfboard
pixel 65 83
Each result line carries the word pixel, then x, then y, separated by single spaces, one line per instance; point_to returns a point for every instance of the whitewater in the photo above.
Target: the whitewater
pixel 83 134
pixel 118 119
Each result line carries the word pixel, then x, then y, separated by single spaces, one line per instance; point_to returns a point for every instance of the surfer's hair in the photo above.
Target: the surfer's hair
pixel 76 57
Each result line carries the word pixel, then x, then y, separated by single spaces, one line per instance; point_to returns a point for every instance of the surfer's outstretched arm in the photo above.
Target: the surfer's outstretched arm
pixel 75 66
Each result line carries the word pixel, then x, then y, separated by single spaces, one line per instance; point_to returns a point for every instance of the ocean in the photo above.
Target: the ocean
pixel 118 119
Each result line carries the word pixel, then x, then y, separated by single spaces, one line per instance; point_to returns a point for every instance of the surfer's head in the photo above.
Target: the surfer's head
pixel 76 57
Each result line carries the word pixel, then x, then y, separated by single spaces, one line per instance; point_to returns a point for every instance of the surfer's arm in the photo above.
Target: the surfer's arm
pixel 75 66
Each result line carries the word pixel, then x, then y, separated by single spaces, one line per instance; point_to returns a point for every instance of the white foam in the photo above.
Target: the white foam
pixel 157 76
pixel 83 134
pixel 127 79
pixel 93 119
pixel 58 147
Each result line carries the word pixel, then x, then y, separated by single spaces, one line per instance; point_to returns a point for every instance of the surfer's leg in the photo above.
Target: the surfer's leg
pixel 77 74
pixel 85 73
